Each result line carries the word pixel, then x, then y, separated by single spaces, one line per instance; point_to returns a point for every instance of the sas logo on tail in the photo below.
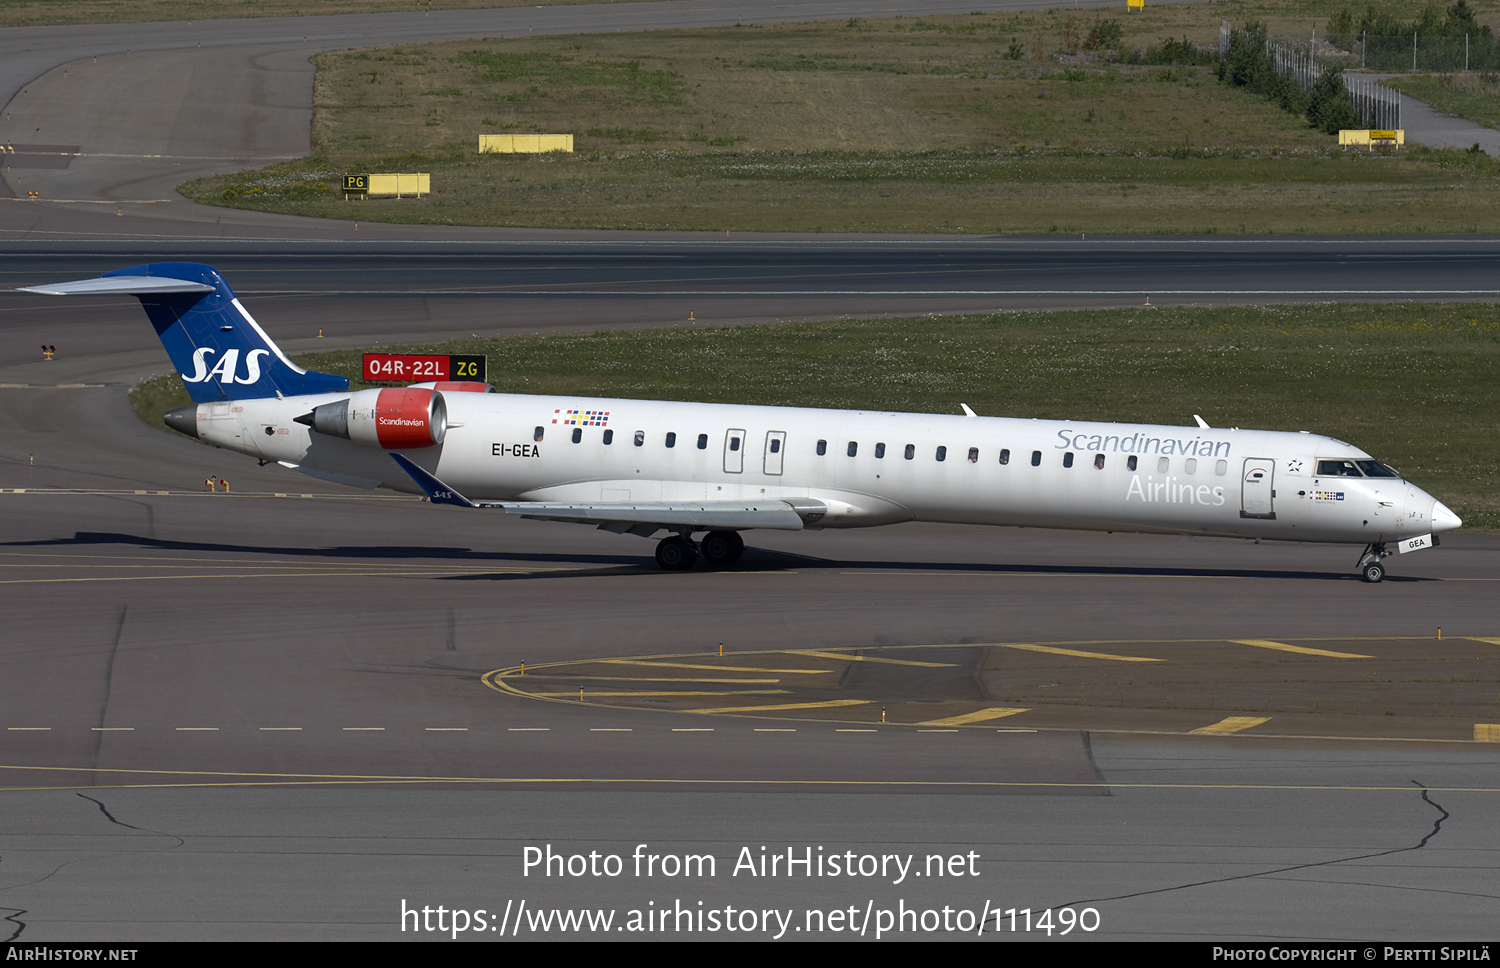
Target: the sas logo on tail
pixel 223 370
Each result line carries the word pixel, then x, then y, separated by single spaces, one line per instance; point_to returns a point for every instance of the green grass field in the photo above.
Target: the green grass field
pixel 1418 386
pixel 916 124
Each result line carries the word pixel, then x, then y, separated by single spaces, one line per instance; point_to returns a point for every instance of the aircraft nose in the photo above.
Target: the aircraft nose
pixel 1444 519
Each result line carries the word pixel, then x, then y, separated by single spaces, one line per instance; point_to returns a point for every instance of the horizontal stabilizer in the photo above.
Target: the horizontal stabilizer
pixel 118 286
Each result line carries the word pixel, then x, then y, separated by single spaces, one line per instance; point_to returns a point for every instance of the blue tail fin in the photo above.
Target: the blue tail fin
pixel 217 347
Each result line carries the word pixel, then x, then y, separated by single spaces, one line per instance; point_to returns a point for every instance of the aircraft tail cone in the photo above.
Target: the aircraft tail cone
pixel 184 419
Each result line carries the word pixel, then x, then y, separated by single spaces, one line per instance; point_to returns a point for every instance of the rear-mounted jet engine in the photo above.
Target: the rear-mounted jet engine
pixel 391 419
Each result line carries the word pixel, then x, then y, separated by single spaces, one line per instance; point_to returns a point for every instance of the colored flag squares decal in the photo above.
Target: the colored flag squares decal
pixel 581 418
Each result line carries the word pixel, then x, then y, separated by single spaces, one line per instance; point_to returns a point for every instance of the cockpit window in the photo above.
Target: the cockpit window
pixel 1374 468
pixel 1338 468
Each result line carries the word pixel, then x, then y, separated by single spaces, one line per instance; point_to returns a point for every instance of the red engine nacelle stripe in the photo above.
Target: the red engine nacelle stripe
pixel 404 419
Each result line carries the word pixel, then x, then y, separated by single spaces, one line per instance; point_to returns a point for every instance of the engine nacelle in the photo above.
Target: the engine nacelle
pixel 391 419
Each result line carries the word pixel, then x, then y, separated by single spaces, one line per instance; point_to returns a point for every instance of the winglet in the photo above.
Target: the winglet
pixel 967 411
pixel 437 492
pixel 1202 424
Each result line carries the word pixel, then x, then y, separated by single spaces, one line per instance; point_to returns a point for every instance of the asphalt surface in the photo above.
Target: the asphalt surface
pixel 269 714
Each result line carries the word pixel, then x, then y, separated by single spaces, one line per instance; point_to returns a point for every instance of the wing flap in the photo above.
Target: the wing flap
pixel 713 515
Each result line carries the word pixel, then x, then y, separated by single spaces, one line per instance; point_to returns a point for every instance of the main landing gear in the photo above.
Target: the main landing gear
pixel 1370 567
pixel 719 548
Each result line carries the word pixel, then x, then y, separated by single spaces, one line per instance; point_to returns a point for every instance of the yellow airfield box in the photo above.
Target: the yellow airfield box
pixel 403 185
pixel 525 144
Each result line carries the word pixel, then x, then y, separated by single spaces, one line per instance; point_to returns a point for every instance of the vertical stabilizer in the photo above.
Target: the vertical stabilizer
pixel 216 345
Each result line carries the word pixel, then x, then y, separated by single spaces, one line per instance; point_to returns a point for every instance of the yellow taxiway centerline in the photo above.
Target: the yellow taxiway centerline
pixel 1231 725
pixel 872 658
pixel 1054 650
pixel 978 716
pixel 1304 650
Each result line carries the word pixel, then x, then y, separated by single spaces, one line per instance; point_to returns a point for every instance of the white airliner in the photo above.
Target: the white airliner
pixel 646 466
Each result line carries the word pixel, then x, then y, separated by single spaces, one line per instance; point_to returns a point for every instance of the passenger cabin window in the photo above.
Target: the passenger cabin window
pixel 942 453
pixel 1190 466
pixel 1099 461
pixel 1221 468
pixel 1005 455
pixel 1162 464
pixel 537 433
pixel 1130 462
pixel 577 435
pixel 911 451
pixel 609 437
pixel 640 438
pixel 703 442
pixel 973 455
pixel 671 438
pixel 1338 468
pixel 1036 458
pixel 853 448
pixel 822 447
pixel 880 451
pixel 1068 459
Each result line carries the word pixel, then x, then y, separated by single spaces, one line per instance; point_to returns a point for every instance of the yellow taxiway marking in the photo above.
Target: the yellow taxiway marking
pixel 759 729
pixel 1487 732
pixel 1231 725
pixel 653 679
pixel 710 668
pixel 692 729
pixel 595 694
pixel 28 729
pixel 364 729
pixel 1481 638
pixel 281 729
pixel 830 704
pixel 1054 650
pixel 610 729
pixel 530 729
pixel 1283 647
pixel 978 716
pixel 197 729
pixel 112 729
pixel 447 729
pixel 871 658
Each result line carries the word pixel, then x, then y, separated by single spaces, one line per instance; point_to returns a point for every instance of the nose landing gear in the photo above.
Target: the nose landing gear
pixel 1370 567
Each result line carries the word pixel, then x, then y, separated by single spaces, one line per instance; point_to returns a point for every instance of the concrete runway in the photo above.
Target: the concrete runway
pixel 262 715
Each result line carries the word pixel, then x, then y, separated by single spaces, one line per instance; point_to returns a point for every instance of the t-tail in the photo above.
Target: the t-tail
pixel 216 345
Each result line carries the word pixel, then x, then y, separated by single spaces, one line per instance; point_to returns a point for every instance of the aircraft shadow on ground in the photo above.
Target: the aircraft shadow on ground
pixel 755 559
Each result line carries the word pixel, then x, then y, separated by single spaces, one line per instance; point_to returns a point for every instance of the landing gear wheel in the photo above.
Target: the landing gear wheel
pixel 676 554
pixel 1373 572
pixel 721 548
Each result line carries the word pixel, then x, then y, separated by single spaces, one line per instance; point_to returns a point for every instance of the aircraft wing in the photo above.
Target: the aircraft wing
pixel 636 518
